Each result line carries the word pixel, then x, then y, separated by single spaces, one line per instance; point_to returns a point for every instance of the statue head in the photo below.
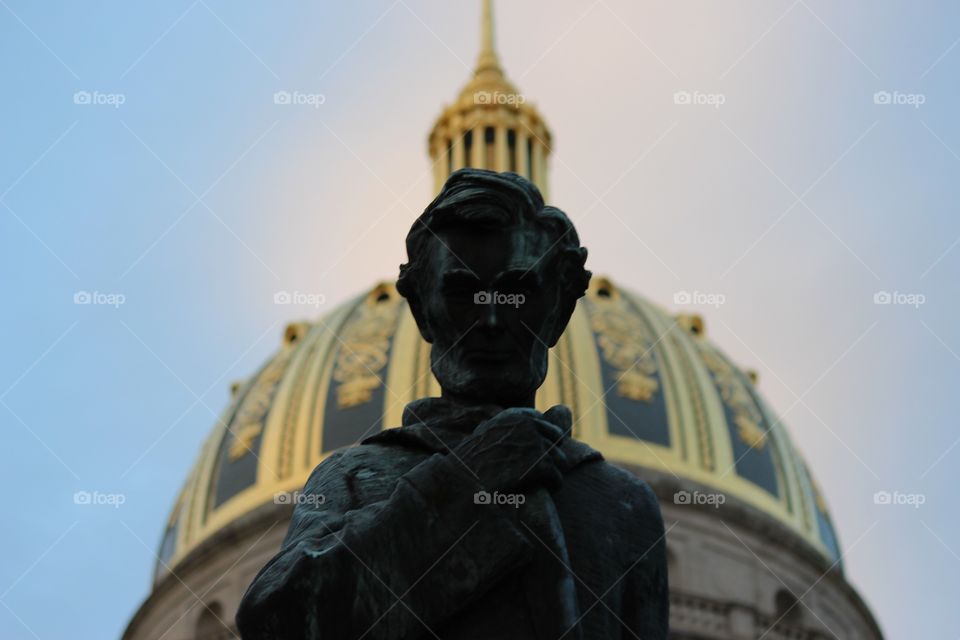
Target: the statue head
pixel 492 278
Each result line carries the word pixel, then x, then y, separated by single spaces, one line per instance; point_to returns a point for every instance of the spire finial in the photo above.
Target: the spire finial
pixel 488 53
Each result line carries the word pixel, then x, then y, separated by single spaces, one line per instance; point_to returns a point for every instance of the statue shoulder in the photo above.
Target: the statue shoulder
pixel 638 495
pixel 622 493
pixel 360 469
pixel 640 507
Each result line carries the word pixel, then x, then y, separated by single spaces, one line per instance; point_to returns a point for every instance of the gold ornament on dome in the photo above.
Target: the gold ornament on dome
pixel 625 346
pixel 750 432
pixel 248 422
pixel 242 442
pixel 636 386
pixel 364 349
pixel 356 391
pixel 735 395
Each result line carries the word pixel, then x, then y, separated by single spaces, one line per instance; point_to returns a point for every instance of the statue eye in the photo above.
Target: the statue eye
pixel 458 290
pixel 457 295
pixel 459 287
pixel 522 284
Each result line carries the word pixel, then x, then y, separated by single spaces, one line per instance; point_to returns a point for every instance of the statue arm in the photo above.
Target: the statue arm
pixel 385 570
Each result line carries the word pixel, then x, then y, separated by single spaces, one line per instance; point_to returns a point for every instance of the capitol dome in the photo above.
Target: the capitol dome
pixel 752 550
pixel 647 389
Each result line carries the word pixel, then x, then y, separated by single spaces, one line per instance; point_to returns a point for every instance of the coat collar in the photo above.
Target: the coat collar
pixel 436 425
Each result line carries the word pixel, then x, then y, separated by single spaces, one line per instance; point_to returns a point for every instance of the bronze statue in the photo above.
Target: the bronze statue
pixel 480 517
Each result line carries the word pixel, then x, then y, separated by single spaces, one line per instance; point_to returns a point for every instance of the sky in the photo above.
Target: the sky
pixel 147 170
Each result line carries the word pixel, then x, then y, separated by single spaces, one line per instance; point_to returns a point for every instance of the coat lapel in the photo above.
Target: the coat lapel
pixel 433 425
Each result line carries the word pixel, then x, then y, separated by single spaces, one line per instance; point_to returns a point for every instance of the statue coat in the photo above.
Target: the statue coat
pixel 395 545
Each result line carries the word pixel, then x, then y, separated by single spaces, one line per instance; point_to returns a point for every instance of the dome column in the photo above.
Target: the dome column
pixel 523 152
pixel 459 157
pixel 539 167
pixel 478 150
pixel 500 153
pixel 440 157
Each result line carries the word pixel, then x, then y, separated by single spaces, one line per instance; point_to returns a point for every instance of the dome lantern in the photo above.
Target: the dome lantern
pixel 491 125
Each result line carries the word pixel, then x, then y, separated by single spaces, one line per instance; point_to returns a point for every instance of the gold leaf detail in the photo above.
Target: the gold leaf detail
pixel 242 442
pixel 248 423
pixel 750 433
pixel 734 393
pixel 626 347
pixel 636 386
pixel 364 349
pixel 356 391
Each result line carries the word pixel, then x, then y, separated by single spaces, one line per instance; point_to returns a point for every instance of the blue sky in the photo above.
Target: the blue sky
pixel 799 198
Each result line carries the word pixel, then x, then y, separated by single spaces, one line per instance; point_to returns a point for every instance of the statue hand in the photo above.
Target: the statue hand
pixel 516 450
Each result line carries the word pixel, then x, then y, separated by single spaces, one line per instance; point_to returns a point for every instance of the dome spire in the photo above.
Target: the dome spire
pixel 488 53
pixel 490 125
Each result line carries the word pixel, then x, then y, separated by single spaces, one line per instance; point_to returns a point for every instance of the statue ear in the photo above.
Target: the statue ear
pixel 568 293
pixel 560 318
pixel 409 288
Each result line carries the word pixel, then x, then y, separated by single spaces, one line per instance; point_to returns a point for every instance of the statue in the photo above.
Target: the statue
pixel 479 517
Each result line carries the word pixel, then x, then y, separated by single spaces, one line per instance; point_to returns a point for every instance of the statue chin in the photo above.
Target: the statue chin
pixel 498 387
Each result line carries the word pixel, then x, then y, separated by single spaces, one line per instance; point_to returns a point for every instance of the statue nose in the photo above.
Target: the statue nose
pixel 490 316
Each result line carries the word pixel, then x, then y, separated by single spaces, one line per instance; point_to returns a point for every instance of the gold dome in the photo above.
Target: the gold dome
pixel 646 389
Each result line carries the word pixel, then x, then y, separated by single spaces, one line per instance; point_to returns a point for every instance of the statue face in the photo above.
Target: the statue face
pixel 490 311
